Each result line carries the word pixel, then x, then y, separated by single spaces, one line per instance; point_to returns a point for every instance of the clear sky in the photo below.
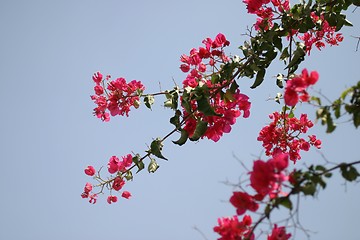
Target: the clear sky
pixel 48 53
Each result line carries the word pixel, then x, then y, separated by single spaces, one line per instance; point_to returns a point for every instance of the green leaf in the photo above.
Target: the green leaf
pixel 234 86
pixel 345 93
pixel 215 78
pixel 259 78
pixel 175 120
pixel 227 70
pixel 172 99
pixel 267 211
pixel 277 42
pixel 356 119
pixel 280 80
pixel 285 202
pixel 328 175
pixel 138 163
pixel 270 55
pixel 337 107
pixel 309 188
pixel 285 54
pixel 320 168
pixel 156 148
pixel 316 100
pixel 129 176
pixel 229 97
pixel 298 57
pixel 330 124
pixel 183 138
pixel 205 107
pixel 149 100
pixel 200 130
pixel 185 102
pixel 349 172
pixel 153 166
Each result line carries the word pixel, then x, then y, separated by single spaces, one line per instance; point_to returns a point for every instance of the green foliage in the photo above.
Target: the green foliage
pixel 183 138
pixel 136 160
pixel 297 57
pixel 149 100
pixel 172 98
pixel 284 201
pixel 349 172
pixel 153 166
pixel 156 148
pixel 356 2
pixel 327 113
pixel 200 130
pixel 129 176
pixel 175 120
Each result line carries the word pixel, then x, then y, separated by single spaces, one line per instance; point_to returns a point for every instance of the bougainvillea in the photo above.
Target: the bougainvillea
pixel 232 229
pixel 209 102
pixel 283 134
pixel 115 97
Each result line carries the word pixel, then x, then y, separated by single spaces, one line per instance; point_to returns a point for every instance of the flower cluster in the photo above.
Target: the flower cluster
pixel 115 165
pixel 325 32
pixel 265 13
pixel 212 52
pixel 232 229
pixel 282 135
pixel 117 97
pixel 226 114
pixel 88 193
pixel 266 179
pixel 267 176
pixel 243 201
pixel 226 109
pixel 116 183
pixel 296 88
pixel 279 233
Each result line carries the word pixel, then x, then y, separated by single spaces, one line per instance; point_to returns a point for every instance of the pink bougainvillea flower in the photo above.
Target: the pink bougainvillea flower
pixel 118 183
pixel 280 161
pixel 125 163
pixel 279 233
pixel 297 86
pixel 88 187
pixel 126 194
pixel 85 195
pixel 93 198
pixel 119 97
pixel 262 178
pixel 99 90
pixel 232 229
pixel 267 177
pixel 227 109
pixel 284 135
pixel 112 199
pixel 113 164
pixel 185 68
pixel 291 97
pixel 90 170
pixel 242 202
pixel 321 35
pixel 97 77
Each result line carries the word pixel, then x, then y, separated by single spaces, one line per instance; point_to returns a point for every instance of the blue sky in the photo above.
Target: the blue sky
pixel 49 51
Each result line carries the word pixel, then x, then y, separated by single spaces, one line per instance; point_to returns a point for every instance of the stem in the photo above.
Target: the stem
pixel 339 166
